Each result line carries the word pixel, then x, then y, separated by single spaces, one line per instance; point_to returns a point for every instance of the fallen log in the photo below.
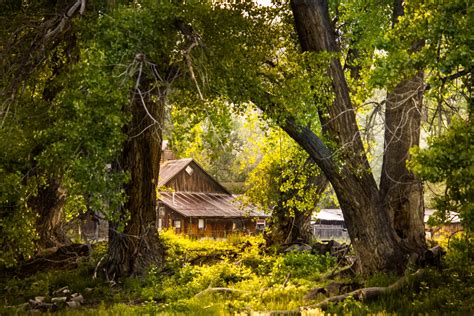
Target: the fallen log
pixel 65 257
pixel 368 292
pixel 363 294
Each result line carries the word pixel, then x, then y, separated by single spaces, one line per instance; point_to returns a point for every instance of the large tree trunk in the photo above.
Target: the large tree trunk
pixel 49 203
pixel 368 223
pixel 138 247
pixel 401 191
pixel 368 220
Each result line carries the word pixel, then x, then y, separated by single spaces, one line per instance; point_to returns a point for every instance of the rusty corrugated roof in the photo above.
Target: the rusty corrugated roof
pixel 171 168
pixel 193 204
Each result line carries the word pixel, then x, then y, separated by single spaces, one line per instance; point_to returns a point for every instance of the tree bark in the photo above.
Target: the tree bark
pixel 368 220
pixel 138 247
pixel 368 224
pixel 49 203
pixel 401 191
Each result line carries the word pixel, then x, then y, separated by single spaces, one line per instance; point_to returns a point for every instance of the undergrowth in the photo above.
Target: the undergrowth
pixel 258 281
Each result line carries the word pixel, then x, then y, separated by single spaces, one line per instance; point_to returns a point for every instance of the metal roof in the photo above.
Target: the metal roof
pixel 328 214
pixel 192 204
pixel 171 168
pixel 336 215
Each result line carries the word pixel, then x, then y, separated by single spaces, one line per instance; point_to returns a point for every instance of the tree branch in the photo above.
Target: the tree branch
pixel 368 292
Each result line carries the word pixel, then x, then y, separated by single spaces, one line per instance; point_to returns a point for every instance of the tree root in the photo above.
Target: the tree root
pixel 64 258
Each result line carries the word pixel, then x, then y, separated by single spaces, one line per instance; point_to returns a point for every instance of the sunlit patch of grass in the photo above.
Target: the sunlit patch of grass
pixel 258 282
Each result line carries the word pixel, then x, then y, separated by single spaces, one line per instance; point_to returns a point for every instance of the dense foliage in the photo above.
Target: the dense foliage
pixel 262 281
pixel 66 127
pixel 66 90
pixel 449 160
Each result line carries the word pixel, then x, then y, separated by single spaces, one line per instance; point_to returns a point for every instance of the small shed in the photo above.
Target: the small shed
pixel 194 203
pixel 450 228
pixel 329 224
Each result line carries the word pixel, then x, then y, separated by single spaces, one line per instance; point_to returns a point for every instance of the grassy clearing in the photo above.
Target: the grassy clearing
pixel 260 281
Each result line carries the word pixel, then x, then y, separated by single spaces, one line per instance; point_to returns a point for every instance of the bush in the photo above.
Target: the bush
pixel 301 265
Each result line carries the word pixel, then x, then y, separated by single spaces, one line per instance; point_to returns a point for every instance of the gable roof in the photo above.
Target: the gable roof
pixel 192 204
pixel 335 214
pixel 171 168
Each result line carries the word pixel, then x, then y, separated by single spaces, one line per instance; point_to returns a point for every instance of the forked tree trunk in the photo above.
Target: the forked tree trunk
pixel 368 219
pixel 368 223
pixel 49 203
pixel 138 247
pixel 401 191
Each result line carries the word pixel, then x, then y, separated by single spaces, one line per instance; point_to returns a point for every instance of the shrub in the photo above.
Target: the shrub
pixel 301 265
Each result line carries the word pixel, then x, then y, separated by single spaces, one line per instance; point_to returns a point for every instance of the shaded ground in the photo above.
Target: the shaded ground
pixel 222 277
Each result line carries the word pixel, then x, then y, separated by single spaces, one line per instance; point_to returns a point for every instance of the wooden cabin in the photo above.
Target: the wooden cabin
pixel 194 203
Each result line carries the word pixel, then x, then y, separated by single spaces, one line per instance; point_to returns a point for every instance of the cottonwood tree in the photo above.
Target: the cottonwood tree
pixel 102 132
pixel 310 97
pixel 385 224
pixel 37 49
pixel 368 220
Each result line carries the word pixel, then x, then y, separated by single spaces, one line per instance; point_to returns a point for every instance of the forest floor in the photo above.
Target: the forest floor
pixel 234 276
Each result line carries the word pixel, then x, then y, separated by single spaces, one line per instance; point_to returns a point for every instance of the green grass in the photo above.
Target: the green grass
pixel 263 281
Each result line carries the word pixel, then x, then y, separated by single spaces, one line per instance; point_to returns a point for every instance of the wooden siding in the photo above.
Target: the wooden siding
pixel 213 227
pixel 198 181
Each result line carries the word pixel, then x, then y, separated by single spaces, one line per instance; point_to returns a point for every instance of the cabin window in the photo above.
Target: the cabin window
pixel 201 223
pixel 189 170
pixel 260 224
pixel 161 211
pixel 177 224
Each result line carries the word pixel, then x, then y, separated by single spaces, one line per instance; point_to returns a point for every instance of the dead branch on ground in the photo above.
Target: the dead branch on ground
pixel 368 293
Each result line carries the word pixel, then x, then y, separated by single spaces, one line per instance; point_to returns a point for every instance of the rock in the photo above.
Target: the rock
pixel 33 303
pixel 59 300
pixel 39 299
pixel 76 297
pixel 88 289
pixel 63 290
pixel 73 304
